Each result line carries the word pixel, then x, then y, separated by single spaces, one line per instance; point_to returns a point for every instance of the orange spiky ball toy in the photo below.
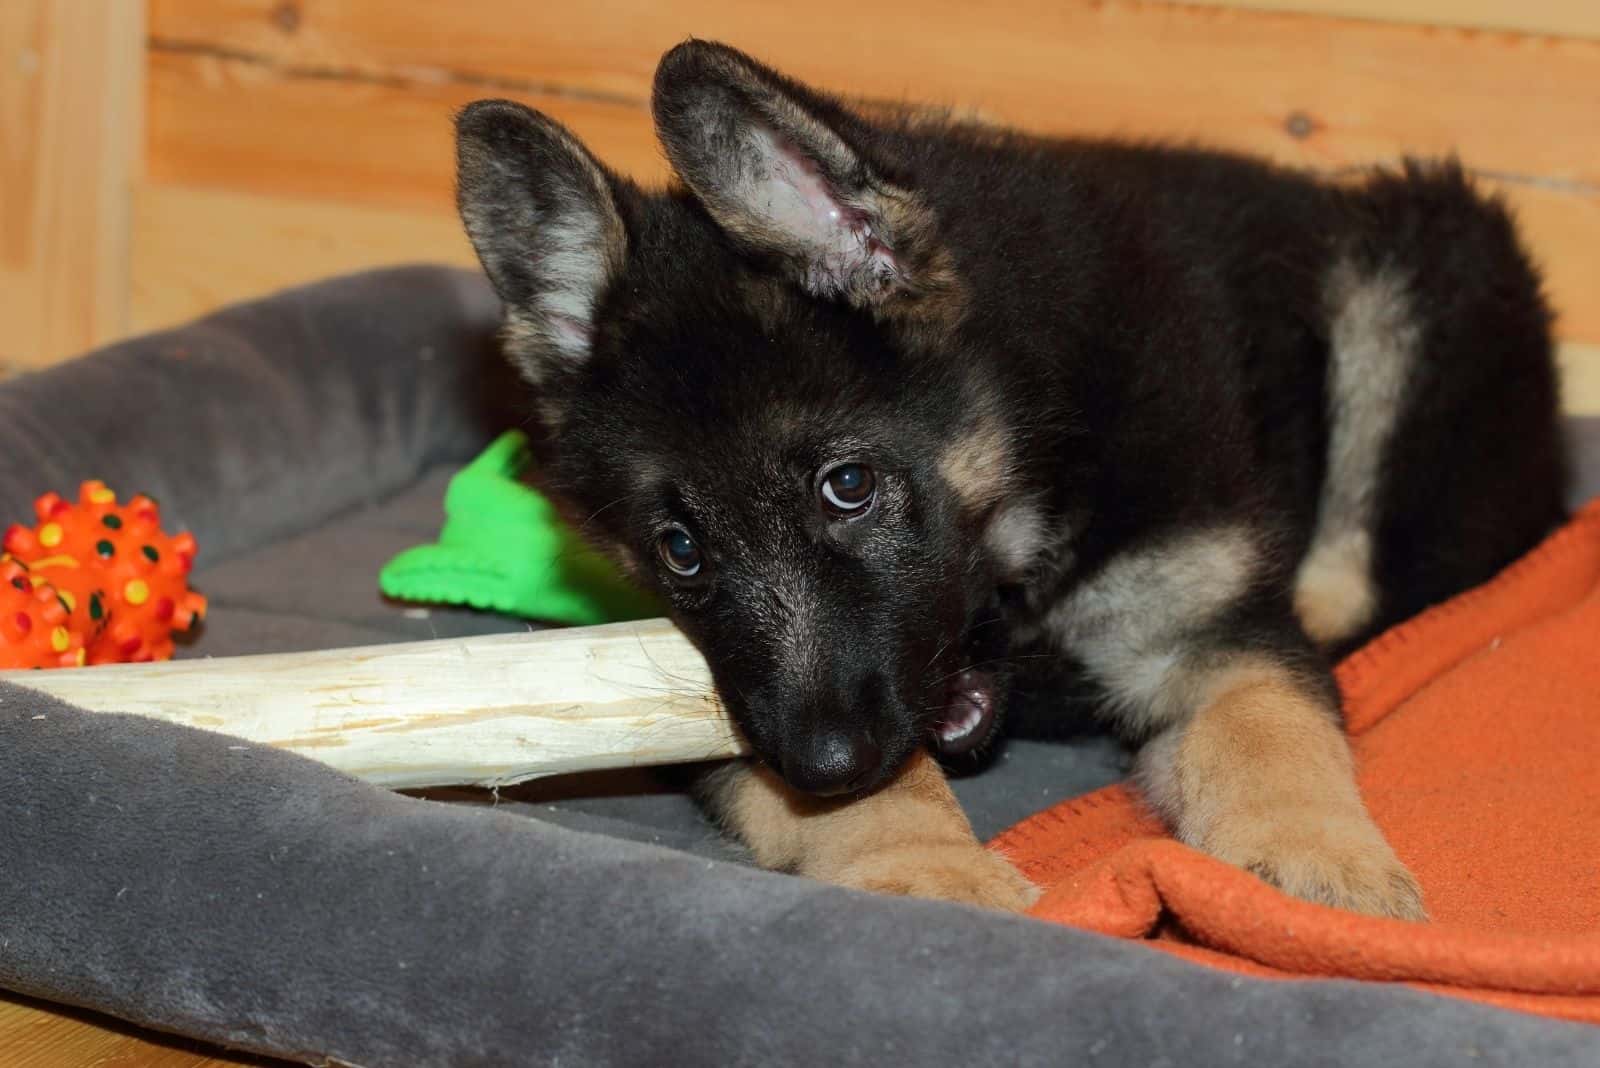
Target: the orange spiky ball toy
pixel 33 623
pixel 121 581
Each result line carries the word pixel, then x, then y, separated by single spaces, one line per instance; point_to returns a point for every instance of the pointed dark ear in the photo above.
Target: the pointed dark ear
pixel 541 213
pixel 772 163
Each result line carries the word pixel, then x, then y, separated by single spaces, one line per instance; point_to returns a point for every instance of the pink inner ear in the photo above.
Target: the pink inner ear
pixel 796 197
pixel 826 212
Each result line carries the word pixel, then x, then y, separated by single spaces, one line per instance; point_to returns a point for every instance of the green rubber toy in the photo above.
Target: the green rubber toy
pixel 504 549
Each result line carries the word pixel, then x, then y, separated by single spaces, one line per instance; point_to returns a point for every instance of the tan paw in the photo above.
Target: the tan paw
pixel 1338 860
pixel 969 874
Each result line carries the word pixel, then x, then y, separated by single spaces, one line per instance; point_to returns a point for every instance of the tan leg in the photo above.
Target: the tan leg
pixel 910 837
pixel 1261 776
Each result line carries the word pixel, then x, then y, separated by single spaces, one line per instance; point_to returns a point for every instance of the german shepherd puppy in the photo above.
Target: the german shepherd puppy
pixel 881 403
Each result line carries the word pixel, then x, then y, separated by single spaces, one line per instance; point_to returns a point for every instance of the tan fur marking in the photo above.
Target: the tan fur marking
pixel 1334 596
pixel 1261 777
pixel 1374 339
pixel 933 299
pixel 1133 624
pixel 909 838
pixel 977 465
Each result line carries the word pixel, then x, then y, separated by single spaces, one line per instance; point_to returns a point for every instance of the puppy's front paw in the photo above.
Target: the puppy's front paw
pixel 966 873
pixel 1338 859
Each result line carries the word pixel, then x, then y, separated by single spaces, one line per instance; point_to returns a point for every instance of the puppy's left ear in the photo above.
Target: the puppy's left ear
pixel 772 163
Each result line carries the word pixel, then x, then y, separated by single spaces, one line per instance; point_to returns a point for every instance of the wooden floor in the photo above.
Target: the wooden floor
pixel 34 1034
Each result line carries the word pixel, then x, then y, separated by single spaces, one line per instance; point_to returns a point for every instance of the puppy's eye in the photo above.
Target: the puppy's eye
pixel 679 552
pixel 848 489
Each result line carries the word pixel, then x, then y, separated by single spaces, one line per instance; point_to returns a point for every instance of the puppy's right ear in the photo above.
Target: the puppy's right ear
pixel 542 215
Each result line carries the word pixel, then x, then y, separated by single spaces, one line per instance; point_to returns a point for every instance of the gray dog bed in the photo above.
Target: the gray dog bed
pixel 262 901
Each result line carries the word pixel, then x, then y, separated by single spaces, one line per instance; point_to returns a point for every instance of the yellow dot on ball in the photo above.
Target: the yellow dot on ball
pixel 83 656
pixel 50 535
pixel 60 639
pixel 67 600
pixel 136 592
pixel 102 496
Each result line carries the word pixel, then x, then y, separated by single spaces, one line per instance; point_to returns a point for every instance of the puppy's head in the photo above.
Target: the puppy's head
pixel 800 484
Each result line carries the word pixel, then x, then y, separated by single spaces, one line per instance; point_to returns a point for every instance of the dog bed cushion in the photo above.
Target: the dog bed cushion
pixel 177 880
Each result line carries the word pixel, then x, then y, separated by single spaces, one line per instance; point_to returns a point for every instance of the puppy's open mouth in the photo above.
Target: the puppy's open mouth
pixel 969 715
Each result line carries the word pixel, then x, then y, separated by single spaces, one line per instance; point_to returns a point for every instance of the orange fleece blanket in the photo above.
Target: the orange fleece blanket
pixel 1476 729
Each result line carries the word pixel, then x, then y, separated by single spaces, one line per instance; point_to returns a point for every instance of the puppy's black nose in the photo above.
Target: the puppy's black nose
pixel 832 762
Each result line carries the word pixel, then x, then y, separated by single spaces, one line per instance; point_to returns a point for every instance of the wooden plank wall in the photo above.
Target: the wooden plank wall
pixel 1561 18
pixel 71 89
pixel 288 139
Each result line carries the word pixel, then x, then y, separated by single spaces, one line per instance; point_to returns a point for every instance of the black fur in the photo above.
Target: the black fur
pixel 1146 326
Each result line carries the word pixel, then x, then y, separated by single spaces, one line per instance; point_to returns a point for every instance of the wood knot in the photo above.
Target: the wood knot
pixel 286 16
pixel 1299 125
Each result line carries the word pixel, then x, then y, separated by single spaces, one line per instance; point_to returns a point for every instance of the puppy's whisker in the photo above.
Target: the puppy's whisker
pixel 937 653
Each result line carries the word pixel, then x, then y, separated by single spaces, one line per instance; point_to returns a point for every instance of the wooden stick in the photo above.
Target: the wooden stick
pixel 486 711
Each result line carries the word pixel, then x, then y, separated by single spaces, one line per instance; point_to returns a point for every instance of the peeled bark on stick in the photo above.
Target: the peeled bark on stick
pixel 485 711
